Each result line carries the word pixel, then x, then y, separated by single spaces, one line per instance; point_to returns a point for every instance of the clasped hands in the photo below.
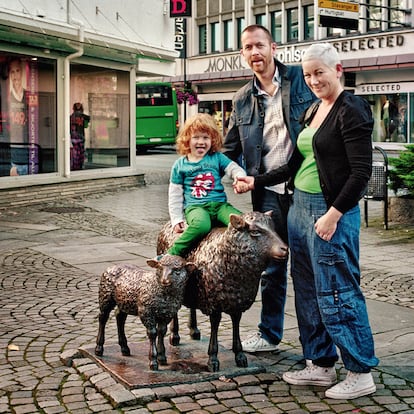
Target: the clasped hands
pixel 243 184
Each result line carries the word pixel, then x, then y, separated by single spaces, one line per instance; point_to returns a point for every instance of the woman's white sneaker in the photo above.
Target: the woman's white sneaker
pixel 355 385
pixel 311 375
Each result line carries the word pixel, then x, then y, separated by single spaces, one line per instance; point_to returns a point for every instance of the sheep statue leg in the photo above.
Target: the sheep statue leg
pixel 192 324
pixel 122 340
pixel 213 361
pixel 152 355
pixel 239 356
pixel 105 311
pixel 174 329
pixel 162 330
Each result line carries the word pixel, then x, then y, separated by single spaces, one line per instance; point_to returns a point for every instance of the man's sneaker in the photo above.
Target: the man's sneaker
pixel 256 343
pixel 311 375
pixel 355 385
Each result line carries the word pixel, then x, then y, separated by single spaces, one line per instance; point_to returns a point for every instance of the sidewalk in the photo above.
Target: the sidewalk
pixel 52 256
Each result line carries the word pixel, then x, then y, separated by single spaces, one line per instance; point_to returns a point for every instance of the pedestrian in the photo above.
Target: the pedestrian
pixel 262 132
pixel 78 122
pixel 331 166
pixel 196 197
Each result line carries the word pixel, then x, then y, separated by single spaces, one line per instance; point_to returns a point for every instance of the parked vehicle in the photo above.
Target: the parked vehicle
pixel 156 115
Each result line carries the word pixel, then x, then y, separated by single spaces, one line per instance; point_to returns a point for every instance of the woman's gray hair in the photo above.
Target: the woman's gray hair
pixel 324 52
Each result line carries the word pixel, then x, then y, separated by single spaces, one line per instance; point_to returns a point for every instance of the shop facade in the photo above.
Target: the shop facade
pixel 54 60
pixel 378 67
pixel 378 57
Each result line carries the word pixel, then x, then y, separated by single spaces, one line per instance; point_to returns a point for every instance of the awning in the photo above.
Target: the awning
pixel 65 39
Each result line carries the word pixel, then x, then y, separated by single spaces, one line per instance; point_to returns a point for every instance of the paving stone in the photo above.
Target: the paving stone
pixel 206 401
pixel 185 407
pixel 251 389
pixel 246 380
pixel 215 409
pixel 159 405
pixel 144 395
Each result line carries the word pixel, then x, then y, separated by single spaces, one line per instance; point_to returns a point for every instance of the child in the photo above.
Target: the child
pixel 196 194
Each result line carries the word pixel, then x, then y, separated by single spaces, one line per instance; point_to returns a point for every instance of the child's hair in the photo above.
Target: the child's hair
pixel 199 123
pixel 77 106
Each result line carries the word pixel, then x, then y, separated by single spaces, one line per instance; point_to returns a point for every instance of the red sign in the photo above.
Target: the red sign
pixel 180 8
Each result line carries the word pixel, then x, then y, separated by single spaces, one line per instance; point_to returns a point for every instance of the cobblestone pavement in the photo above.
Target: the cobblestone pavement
pixel 51 257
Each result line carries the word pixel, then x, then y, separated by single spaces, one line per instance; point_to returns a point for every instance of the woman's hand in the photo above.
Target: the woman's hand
pixel 179 227
pixel 243 184
pixel 325 226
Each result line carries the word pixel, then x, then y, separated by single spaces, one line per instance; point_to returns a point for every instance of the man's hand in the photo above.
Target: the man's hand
pixel 243 184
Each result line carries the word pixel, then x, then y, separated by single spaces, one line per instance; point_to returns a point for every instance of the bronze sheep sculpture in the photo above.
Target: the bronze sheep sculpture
pixel 228 265
pixel 154 295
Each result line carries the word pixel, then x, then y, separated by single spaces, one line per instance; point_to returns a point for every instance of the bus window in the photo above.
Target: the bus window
pixel 156 115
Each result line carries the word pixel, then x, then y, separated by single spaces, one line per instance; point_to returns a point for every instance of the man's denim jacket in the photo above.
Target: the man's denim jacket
pixel 245 134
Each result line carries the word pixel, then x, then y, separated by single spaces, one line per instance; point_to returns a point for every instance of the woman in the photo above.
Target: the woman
pixel 330 166
pixel 78 122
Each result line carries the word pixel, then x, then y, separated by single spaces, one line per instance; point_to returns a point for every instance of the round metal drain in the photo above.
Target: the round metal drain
pixel 62 209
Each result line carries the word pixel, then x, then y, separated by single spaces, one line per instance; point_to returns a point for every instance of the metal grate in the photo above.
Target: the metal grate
pixel 378 185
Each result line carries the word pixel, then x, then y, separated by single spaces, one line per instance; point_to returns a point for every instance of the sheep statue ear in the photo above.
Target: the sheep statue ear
pixel 237 221
pixel 152 263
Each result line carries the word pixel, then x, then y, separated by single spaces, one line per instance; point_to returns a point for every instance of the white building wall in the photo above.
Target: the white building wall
pixel 142 25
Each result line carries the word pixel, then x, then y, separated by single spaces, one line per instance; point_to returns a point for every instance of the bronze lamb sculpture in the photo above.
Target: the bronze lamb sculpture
pixel 229 262
pixel 153 295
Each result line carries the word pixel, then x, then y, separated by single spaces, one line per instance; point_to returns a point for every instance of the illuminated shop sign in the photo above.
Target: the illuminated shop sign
pixel 355 48
pixel 384 88
pixel 371 43
pixel 180 8
pixel 226 63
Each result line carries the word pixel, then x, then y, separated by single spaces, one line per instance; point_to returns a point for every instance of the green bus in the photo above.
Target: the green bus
pixel 156 115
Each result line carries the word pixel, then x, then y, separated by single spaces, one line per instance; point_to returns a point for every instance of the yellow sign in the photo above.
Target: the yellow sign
pixel 339 5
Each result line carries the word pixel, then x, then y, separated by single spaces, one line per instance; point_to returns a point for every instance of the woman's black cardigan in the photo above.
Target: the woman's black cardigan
pixel 343 152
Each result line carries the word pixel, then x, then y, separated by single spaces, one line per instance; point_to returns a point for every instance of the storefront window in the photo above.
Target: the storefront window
pixel 228 35
pixel 215 37
pixel 27 115
pixel 276 22
pixel 396 13
pixel 104 95
pixel 391 122
pixel 308 22
pixel 261 19
pixel 374 14
pixel 410 114
pixel 240 27
pixel 202 39
pixel 220 110
pixel 292 24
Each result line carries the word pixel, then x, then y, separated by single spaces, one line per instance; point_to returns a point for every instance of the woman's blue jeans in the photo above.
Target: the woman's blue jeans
pixel 330 305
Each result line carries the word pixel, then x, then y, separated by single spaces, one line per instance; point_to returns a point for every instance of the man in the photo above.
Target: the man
pixel 263 130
